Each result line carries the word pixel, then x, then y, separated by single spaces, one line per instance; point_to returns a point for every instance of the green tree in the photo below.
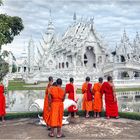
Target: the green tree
pixel 9 28
pixel 0 2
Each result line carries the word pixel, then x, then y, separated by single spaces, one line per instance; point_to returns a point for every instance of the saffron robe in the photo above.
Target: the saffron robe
pixel 87 102
pixel 110 105
pixel 70 89
pixel 97 104
pixel 46 112
pixel 57 107
pixel 2 101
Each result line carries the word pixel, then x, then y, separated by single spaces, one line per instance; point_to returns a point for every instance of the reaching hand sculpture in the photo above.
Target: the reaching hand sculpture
pixel 39 104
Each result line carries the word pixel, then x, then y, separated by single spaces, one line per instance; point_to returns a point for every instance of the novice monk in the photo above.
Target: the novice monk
pixel 87 104
pixel 108 89
pixel 71 90
pixel 2 102
pixel 45 109
pixel 97 104
pixel 56 98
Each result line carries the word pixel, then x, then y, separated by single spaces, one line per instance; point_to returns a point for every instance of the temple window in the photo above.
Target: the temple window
pixel 85 60
pixel 19 69
pixel 128 56
pixel 122 58
pixel 94 65
pixel 24 69
pixel 63 65
pixel 124 74
pixel 59 65
pixel 67 64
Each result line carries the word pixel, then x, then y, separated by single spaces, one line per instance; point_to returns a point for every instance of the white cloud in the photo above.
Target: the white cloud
pixel 111 17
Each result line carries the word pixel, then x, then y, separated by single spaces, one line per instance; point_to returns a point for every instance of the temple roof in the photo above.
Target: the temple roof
pixel 79 32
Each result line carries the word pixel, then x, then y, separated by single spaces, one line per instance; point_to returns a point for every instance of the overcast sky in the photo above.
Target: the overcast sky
pixel 110 18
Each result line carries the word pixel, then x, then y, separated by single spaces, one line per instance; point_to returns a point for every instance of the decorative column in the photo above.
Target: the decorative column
pixel 131 74
pixel 31 56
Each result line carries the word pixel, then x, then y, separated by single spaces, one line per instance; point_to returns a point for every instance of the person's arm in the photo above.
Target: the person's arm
pixel 84 89
pixel 49 101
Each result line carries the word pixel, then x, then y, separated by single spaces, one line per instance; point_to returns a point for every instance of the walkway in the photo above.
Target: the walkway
pixel 80 128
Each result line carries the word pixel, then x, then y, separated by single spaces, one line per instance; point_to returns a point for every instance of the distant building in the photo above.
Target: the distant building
pixel 81 52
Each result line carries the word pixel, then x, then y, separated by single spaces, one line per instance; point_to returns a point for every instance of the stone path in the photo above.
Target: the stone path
pixel 79 128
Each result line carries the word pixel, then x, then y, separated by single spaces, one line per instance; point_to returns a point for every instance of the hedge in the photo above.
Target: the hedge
pixel 128 115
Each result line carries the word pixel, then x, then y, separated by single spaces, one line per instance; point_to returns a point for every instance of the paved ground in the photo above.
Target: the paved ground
pixel 79 128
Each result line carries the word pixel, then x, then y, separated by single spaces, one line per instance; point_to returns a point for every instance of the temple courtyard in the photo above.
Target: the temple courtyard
pixel 79 128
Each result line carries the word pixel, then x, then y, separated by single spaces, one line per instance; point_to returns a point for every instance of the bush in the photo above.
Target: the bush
pixel 128 115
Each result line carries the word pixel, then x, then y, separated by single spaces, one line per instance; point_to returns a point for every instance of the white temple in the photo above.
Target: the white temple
pixel 79 53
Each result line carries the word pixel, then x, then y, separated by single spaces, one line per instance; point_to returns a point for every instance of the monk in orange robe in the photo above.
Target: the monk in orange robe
pixel 87 103
pixel 97 104
pixel 46 114
pixel 111 106
pixel 56 107
pixel 2 102
pixel 71 90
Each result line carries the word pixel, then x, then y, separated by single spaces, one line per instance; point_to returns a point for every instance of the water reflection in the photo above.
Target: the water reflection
pixel 20 101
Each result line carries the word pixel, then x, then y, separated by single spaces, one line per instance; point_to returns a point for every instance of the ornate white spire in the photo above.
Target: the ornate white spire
pixel 92 22
pixel 31 52
pixel 74 17
pixel 136 42
pixel 137 37
pixel 125 37
pixel 50 28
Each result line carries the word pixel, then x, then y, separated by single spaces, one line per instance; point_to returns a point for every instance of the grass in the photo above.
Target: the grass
pixel 128 115
pixel 21 85
pixel 127 89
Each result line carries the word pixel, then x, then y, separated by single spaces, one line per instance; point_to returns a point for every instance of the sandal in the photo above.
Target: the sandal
pixel 117 117
pixel 87 116
pixel 51 135
pixel 107 117
pixel 61 136
pixel 48 128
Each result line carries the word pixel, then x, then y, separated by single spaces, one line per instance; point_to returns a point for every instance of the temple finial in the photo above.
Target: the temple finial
pixel 92 22
pixel 74 17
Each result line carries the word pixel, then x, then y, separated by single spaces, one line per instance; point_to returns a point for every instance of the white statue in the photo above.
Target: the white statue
pixel 39 104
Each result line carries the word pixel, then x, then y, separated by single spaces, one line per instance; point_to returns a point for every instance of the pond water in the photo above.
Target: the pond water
pixel 20 101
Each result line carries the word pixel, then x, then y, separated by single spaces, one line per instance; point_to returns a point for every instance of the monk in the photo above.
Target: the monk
pixel 110 98
pixel 97 104
pixel 2 102
pixel 87 104
pixel 71 90
pixel 56 107
pixel 45 109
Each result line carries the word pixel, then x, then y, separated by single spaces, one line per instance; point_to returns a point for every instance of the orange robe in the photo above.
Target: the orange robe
pixel 2 101
pixel 97 104
pixel 46 112
pixel 86 103
pixel 57 107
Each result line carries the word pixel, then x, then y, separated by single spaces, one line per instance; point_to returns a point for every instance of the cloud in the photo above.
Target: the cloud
pixel 110 18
